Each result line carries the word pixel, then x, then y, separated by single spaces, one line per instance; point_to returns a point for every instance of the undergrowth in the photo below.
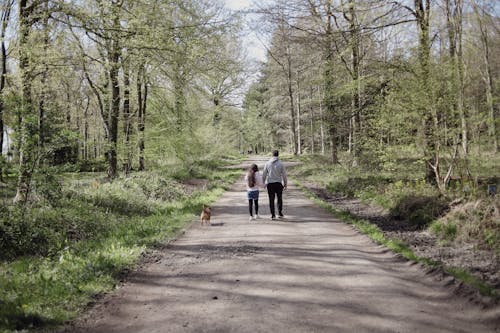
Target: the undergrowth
pixel 473 222
pixel 397 184
pixel 57 256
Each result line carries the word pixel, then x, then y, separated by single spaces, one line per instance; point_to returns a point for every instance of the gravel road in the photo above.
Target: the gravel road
pixel 306 273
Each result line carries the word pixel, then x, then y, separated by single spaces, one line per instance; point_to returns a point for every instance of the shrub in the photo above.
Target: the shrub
pixel 475 222
pixel 42 231
pixel 419 211
pixel 445 231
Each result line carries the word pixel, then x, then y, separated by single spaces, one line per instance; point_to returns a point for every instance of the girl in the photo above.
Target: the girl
pixel 253 179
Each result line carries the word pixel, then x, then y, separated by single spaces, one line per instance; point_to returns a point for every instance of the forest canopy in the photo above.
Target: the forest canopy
pixel 124 85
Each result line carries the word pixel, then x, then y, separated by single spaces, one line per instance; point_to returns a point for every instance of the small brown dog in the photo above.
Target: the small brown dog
pixel 205 215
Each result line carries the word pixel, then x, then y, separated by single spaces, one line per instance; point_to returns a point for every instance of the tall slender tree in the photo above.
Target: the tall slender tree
pixel 27 114
pixel 5 18
pixel 481 15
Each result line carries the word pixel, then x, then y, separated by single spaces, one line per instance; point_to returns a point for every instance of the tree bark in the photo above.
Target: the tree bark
pixel 113 114
pixel 454 24
pixel 141 114
pixel 311 111
pixel 299 143
pixel 429 117
pixel 329 89
pixel 27 138
pixel 321 122
pixel 4 23
pixel 114 63
pixel 330 109
pixel 488 80
pixel 43 92
pixel 127 120
pixel 355 96
pixel 290 95
pixel 85 153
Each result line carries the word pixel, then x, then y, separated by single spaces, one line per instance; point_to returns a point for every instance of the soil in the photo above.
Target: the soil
pixel 308 272
pixel 483 264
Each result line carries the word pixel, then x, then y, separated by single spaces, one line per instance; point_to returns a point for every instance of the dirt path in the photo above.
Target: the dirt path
pixel 306 273
pixel 478 261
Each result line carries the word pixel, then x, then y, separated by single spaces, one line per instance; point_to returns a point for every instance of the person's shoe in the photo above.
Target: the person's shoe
pixel 280 215
pixel 251 218
pixel 257 216
pixel 273 217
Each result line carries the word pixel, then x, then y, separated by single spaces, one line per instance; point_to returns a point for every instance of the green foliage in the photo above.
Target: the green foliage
pixel 56 258
pixel 4 167
pixel 419 211
pixel 63 147
pixel 97 165
pixel 42 231
pixel 470 279
pixel 404 193
pixel 445 231
pixel 46 185
pixel 476 222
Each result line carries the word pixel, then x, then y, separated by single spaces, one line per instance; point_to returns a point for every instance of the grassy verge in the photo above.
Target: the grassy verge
pixel 62 255
pixel 378 236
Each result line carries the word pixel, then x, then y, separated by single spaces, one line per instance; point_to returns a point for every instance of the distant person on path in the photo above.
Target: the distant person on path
pixel 274 176
pixel 253 179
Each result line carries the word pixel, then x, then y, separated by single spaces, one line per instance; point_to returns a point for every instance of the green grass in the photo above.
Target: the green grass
pixel 469 279
pixel 98 233
pixel 475 222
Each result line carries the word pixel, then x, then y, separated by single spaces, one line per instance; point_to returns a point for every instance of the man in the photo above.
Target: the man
pixel 274 176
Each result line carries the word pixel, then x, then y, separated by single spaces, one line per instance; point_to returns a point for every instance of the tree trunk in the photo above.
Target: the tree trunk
pixel 141 114
pixel 330 109
pixel 43 90
pixel 460 74
pixel 114 63
pixel 321 123
pixel 350 136
pixel 299 143
pixel 429 117
pixel 292 107
pixel 113 116
pixel 311 111
pixel 27 137
pixel 355 119
pixel 454 26
pixel 5 21
pixel 329 97
pixel 127 120
pixel 488 80
pixel 85 153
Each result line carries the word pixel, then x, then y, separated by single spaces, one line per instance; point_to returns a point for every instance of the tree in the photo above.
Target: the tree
pixel 104 26
pixel 487 76
pixel 142 98
pixel 454 9
pixel 282 53
pixel 28 135
pixel 5 18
